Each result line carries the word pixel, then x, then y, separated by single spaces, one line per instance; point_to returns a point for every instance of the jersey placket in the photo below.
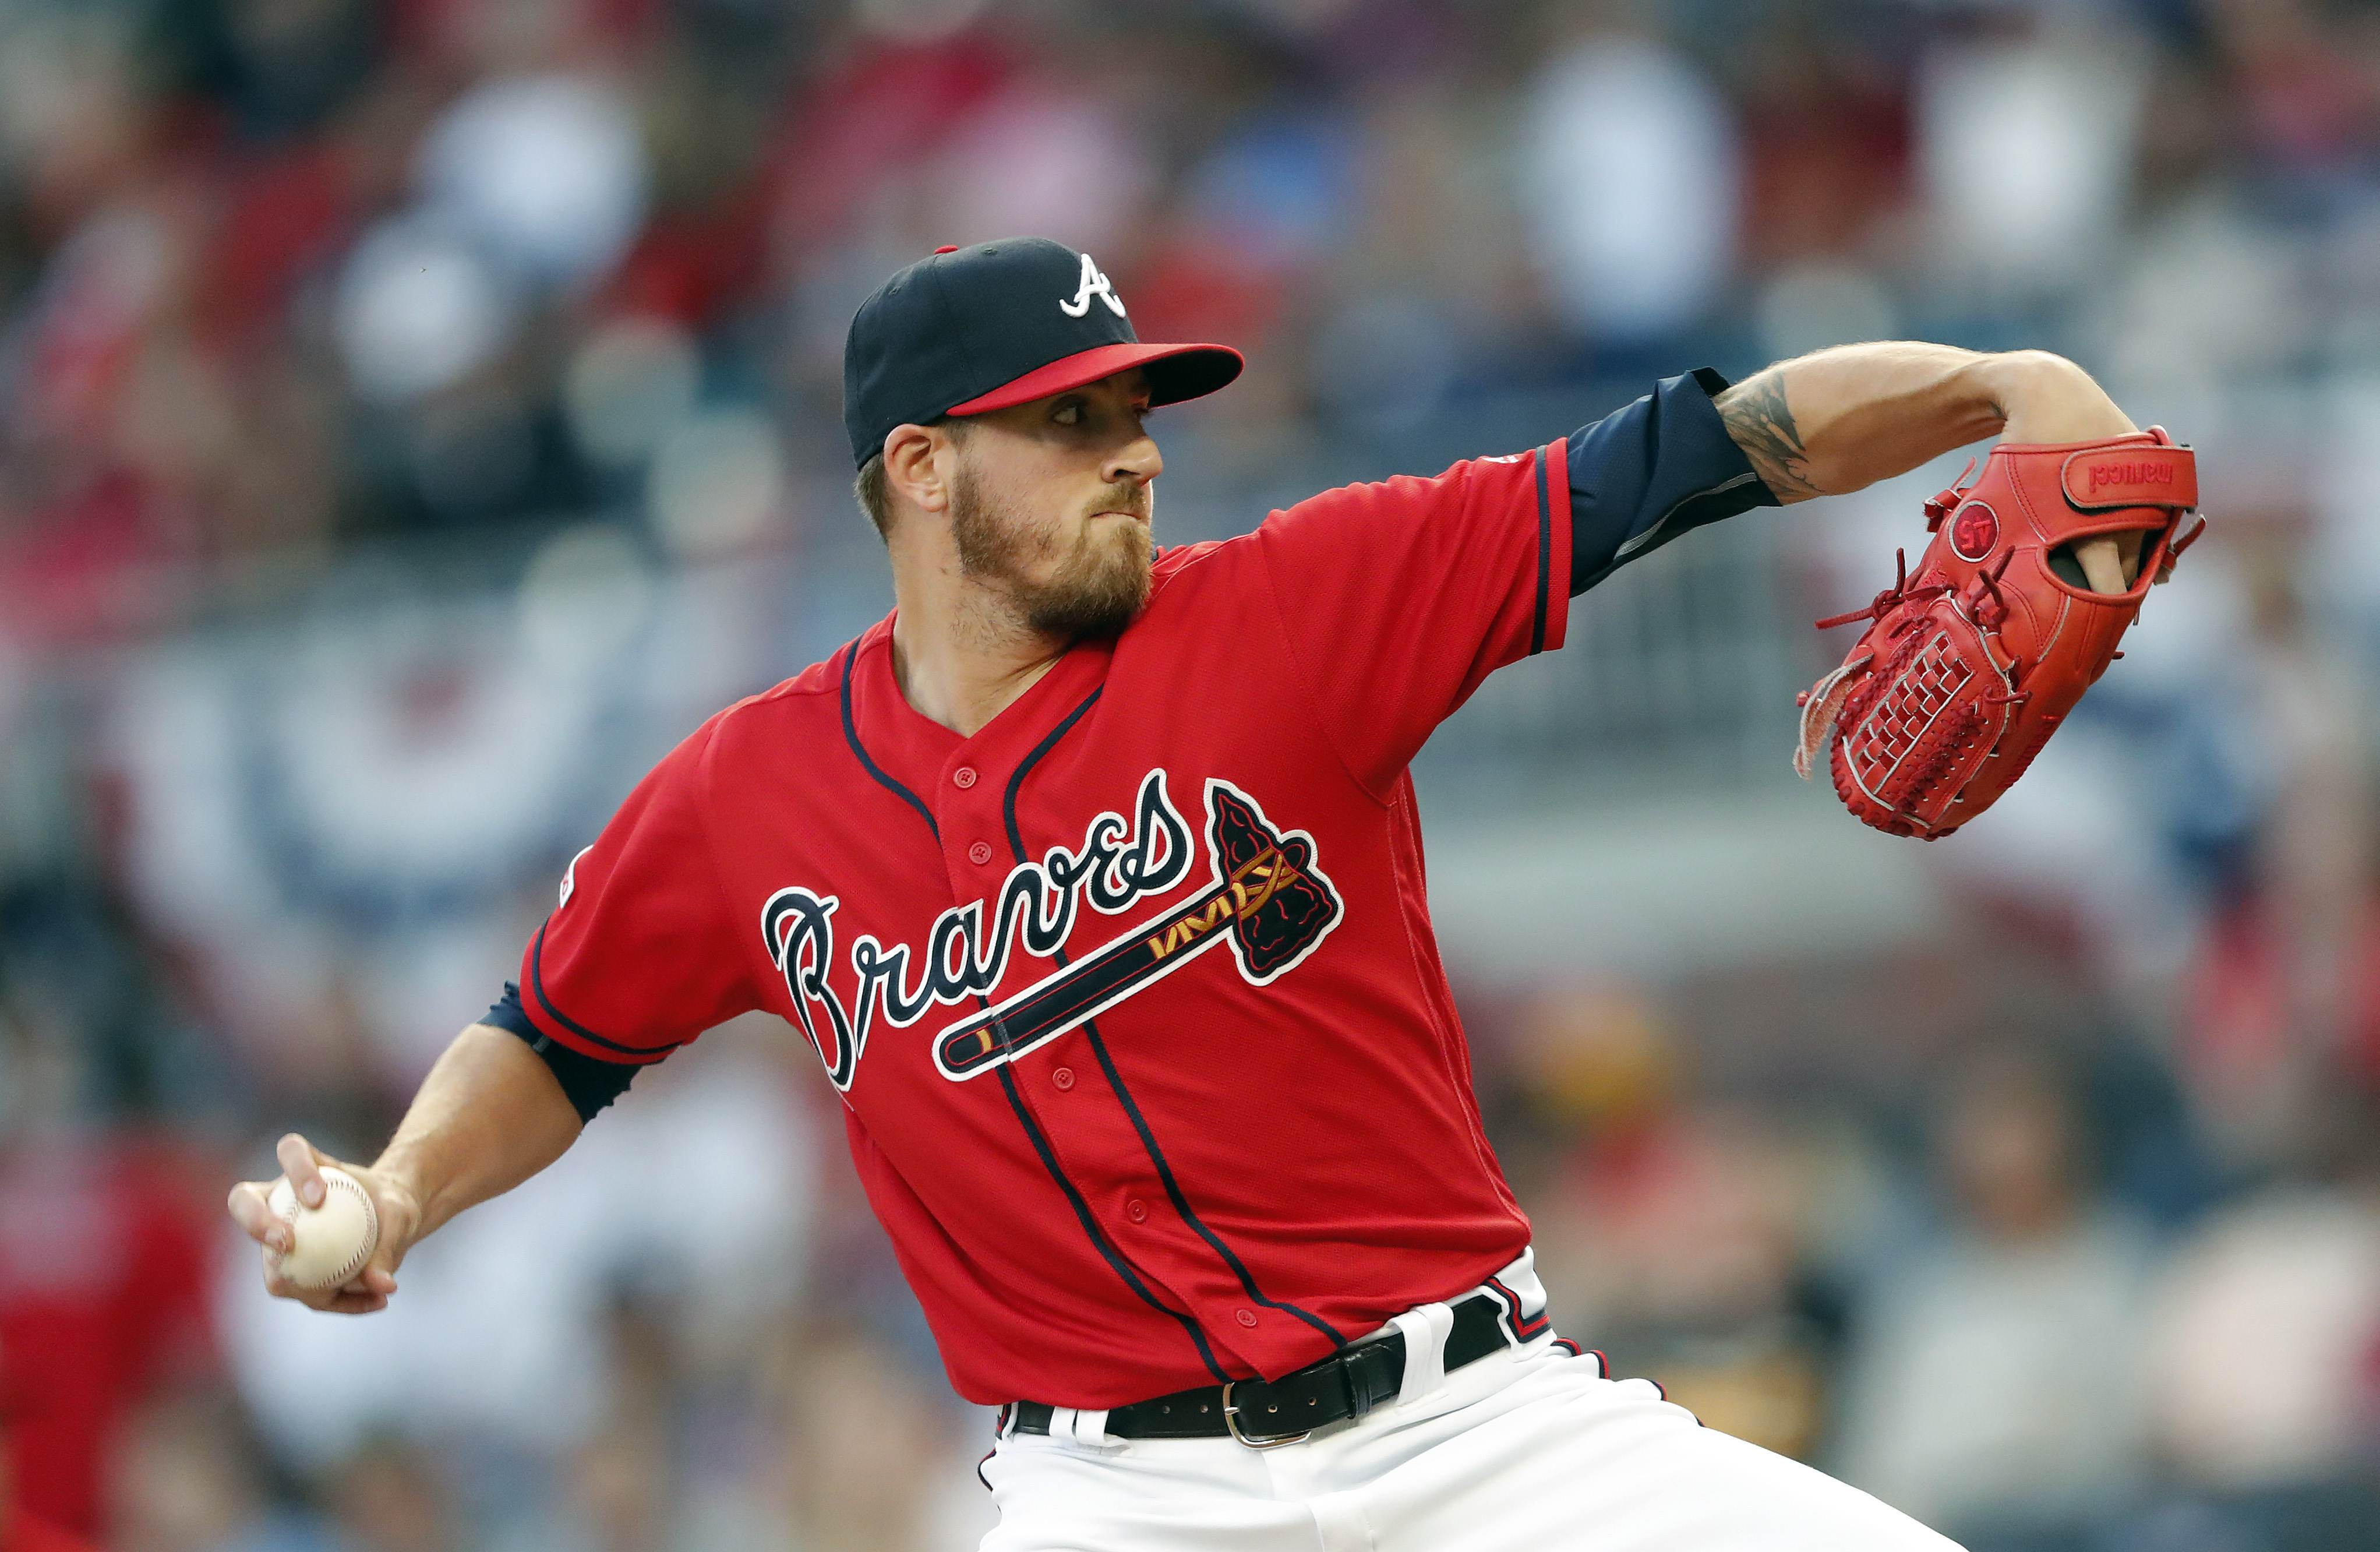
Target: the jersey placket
pixel 1059 1087
pixel 918 763
pixel 1072 1091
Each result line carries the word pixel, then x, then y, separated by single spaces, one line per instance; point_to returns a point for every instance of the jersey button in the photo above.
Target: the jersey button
pixel 1136 1209
pixel 980 853
pixel 1245 1316
pixel 1064 1077
pixel 964 776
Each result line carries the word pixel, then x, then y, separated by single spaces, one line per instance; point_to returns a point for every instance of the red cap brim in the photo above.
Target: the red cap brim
pixel 1188 372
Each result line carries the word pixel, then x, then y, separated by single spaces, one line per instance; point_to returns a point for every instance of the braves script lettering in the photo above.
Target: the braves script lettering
pixel 1268 900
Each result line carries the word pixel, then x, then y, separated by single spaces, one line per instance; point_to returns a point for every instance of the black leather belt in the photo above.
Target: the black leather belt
pixel 1262 1412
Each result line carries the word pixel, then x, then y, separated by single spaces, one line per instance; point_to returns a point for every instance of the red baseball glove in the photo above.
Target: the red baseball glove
pixel 1969 666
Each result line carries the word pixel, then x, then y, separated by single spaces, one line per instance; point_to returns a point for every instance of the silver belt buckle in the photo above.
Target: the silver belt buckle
pixel 1256 1441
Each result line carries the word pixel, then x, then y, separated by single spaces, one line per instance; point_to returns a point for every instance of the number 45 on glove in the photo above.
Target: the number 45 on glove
pixel 1968 667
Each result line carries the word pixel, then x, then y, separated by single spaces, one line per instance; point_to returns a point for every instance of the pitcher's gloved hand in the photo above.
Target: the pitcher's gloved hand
pixel 1970 665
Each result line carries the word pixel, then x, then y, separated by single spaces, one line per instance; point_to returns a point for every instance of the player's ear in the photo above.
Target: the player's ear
pixel 912 473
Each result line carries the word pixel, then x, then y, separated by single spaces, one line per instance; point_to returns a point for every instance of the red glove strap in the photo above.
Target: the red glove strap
pixel 2130 473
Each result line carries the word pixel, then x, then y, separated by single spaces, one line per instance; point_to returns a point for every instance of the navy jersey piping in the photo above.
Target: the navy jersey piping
pixel 851 736
pixel 1115 1079
pixel 1182 1204
pixel 537 984
pixel 1008 805
pixel 1116 1263
pixel 1545 554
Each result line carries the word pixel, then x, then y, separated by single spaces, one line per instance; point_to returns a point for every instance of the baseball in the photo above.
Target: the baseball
pixel 329 1244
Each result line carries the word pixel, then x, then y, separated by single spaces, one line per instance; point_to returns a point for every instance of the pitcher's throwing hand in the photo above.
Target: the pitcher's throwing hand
pixel 293 1262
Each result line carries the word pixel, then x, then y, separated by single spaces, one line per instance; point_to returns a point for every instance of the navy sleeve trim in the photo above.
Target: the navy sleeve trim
pixel 537 984
pixel 588 1084
pixel 1651 470
pixel 1545 557
pixel 508 1014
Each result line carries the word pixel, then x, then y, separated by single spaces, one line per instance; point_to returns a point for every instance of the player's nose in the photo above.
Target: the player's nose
pixel 1137 461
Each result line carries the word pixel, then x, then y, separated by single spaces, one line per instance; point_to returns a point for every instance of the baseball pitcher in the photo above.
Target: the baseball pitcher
pixel 1093 874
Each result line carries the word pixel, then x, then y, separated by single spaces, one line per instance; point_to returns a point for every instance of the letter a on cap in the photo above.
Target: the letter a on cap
pixel 1094 284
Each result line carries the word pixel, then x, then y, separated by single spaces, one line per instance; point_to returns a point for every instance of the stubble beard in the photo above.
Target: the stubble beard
pixel 1095 592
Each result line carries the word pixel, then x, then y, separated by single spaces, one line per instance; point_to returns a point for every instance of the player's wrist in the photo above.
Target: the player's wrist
pixel 2045 398
pixel 403 1202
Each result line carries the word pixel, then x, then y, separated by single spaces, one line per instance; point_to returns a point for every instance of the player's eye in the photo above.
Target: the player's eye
pixel 1070 413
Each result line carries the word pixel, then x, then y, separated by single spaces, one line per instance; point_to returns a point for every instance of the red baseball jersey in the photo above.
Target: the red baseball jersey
pixel 1146 1057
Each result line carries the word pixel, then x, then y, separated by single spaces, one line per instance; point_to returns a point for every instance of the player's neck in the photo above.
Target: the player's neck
pixel 960 655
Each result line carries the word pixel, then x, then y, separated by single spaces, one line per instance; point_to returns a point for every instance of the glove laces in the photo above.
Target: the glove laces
pixel 1891 598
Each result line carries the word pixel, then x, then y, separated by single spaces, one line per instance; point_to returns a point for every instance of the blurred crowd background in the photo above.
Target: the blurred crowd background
pixel 415 415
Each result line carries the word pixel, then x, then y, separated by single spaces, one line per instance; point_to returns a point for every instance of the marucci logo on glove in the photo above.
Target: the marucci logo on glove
pixel 2109 476
pixel 1268 900
pixel 2100 482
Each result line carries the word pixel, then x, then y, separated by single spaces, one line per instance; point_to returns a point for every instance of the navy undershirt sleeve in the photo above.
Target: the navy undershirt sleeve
pixel 590 1084
pixel 1648 471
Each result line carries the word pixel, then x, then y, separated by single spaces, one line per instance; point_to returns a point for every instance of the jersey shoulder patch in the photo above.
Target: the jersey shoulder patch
pixel 570 878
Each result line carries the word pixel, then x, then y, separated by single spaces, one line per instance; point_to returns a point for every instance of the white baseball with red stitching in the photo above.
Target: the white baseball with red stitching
pixel 329 1243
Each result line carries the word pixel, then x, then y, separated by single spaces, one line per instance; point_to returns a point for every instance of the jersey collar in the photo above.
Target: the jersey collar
pixel 921 754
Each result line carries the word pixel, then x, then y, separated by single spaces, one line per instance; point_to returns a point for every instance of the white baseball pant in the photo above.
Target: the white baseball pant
pixel 1528 1448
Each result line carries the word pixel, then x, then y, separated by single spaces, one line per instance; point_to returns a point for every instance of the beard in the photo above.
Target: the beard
pixel 1093 592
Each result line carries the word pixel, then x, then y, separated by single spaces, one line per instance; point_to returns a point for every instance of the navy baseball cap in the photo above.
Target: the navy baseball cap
pixel 973 329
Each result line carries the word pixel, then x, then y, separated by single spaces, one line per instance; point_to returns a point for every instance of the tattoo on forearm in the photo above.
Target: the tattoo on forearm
pixel 1755 414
